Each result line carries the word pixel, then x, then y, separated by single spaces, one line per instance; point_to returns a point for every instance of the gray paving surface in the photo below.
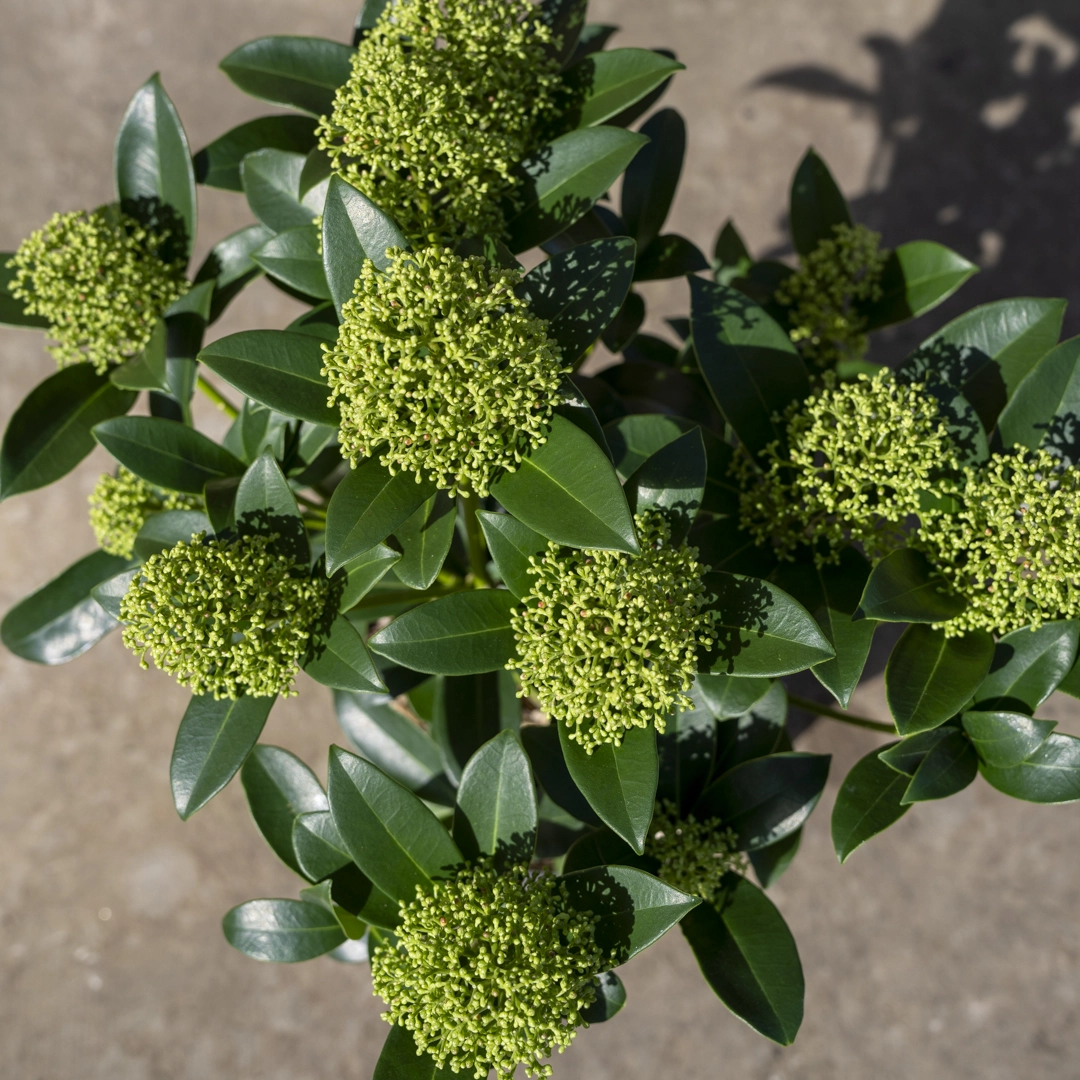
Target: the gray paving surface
pixel 947 949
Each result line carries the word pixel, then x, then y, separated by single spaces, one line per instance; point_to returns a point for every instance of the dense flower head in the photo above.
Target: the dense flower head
pixel 824 294
pixel 224 617
pixel 442 370
pixel 1012 549
pixel 606 641
pixel 120 504
pixel 859 457
pixel 490 970
pixel 694 855
pixel 443 101
pixel 100 280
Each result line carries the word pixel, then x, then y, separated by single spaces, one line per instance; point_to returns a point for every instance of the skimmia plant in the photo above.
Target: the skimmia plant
pixel 555 610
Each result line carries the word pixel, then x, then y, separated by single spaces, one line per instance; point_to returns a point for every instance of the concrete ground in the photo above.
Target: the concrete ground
pixel 949 948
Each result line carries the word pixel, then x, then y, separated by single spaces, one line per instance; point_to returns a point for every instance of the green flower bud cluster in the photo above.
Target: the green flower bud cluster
pixel 224 617
pixel 443 101
pixel 120 504
pixel 823 295
pixel 490 970
pixel 1013 548
pixel 859 454
pixel 607 641
pixel 441 365
pixel 99 280
pixel 694 855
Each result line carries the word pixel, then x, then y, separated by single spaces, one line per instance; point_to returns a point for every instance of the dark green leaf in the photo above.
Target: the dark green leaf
pixel 605 83
pixel 511 544
pixel 619 781
pixel 365 572
pixel 748 360
pixel 1050 775
pixel 566 19
pixel 1050 390
pixel 610 998
pixel 470 710
pixel 652 177
pixel 760 630
pixel 279 368
pixel 213 741
pixel 149 369
pixel 496 803
pixel 669 256
pixel 731 258
pixel 686 751
pixel 562 181
pixel 817 204
pixel 298 72
pixel 756 733
pixel 635 438
pixel 61 620
pixel 282 931
pixel 280 787
pixel 319 849
pixel 766 798
pixel 930 677
pixel 400 1061
pixel 339 659
pixel 322 895
pixel 633 909
pixel 50 432
pixel 770 863
pixel 904 587
pixel 111 592
pixel 907 755
pixel 1005 739
pixel 230 267
pixel 218 164
pixel 460 634
pixel 672 481
pixel 293 257
pixel 948 768
pixel 425 540
pixel 390 834
pixel 1028 665
pixel 727 696
pixel 868 803
pixel 166 453
pixel 153 164
pixel 580 291
pixel 544 748
pixel 749 958
pixel 12 311
pixel 354 229
pixel 917 277
pixel 366 507
pixel 272 186
pixel 567 491
pixel 266 504
pixel 166 529
pixel 626 323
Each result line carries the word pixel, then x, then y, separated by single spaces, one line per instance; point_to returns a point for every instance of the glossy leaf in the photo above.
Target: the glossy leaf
pixel 282 931
pixel 749 958
pixel 635 438
pixel 1005 739
pixel 669 256
pixel 930 677
pixel 230 267
pixel 511 543
pixel 166 529
pixel 916 278
pixel 727 697
pixel 1050 775
pixel 470 710
pixel 1028 665
pixel 366 507
pixel 610 998
pixel 633 909
pixel 907 755
pixel 394 839
pixel 460 634
pixel 748 360
pixel 365 572
pixel 671 481
pixel 50 432
pixel 760 630
pixel 296 72
pixel 218 164
pixel 61 620
pixel 770 863
pixel 817 204
pixel 948 768
pixel 340 659
pixel 731 257
pixel 764 799
pixel 319 849
pixel 12 311
pixel 619 781
pixel 496 803
pixel 400 1061
pixel 425 539
pixel 758 732
pixel 580 291
pixel 904 587
pixel 354 229
pixel 148 370
pixel 293 258
pixel 1050 390
pixel 544 747
pixel 111 592
pixel 562 181
pixel 271 181
pixel 652 177
pixel 605 83
pixel 279 788
pixel 686 751
pixel 153 162
pixel 212 742
pixel 868 803
pixel 567 490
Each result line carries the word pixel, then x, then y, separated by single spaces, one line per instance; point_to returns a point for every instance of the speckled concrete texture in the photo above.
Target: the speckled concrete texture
pixel 949 948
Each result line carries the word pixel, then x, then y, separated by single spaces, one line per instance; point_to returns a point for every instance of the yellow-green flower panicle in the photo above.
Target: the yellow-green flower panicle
pixel 606 641
pixel 442 370
pixel 859 457
pixel 100 280
pixel 224 617
pixel 694 855
pixel 824 294
pixel 1012 550
pixel 490 970
pixel 443 101
pixel 120 504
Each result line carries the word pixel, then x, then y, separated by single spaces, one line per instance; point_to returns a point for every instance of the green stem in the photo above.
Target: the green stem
pixel 836 714
pixel 477 548
pixel 222 403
